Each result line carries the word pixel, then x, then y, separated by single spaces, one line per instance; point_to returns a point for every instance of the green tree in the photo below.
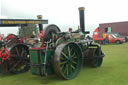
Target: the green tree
pixel 27 30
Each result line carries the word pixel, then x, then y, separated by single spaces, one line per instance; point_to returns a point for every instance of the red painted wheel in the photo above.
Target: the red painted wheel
pixel 4 54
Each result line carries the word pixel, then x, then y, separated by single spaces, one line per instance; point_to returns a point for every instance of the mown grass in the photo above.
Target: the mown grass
pixel 114 71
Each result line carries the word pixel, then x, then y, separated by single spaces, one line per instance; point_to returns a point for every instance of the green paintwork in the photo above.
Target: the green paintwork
pixel 69 57
pixel 62 40
pixel 70 60
pixel 83 46
pixel 34 60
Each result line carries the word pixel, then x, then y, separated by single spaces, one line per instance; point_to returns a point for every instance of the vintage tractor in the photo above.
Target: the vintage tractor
pixel 63 53
pixel 14 53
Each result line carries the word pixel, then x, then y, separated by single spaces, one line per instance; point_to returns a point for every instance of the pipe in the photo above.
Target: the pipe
pixel 40 25
pixel 81 15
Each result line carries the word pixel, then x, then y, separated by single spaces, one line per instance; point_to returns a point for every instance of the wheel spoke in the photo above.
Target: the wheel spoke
pixel 22 51
pixel 17 51
pixel 71 69
pixel 74 62
pixel 65 50
pixel 71 49
pixel 63 62
pixel 73 55
pixel 62 58
pixel 67 68
pixel 69 52
pixel 62 66
pixel 72 66
pixel 64 55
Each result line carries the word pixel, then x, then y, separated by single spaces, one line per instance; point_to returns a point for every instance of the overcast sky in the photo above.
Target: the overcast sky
pixel 64 13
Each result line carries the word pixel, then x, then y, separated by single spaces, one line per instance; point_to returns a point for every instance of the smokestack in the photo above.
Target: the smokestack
pixel 81 15
pixel 40 25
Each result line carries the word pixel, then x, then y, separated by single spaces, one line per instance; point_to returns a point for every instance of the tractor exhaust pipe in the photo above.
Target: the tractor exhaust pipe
pixel 81 15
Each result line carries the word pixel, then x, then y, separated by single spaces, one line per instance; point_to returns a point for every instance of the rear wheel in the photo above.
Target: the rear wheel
pixel 19 59
pixel 67 60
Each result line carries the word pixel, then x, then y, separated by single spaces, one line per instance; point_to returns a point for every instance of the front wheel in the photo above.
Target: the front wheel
pixel 93 57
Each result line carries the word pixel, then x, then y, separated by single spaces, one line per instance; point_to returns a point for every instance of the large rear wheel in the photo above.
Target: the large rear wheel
pixel 67 60
pixel 19 59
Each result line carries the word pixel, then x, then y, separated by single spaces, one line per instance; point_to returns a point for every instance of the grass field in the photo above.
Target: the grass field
pixel 114 71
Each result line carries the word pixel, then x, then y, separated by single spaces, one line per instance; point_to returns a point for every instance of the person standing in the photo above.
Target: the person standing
pixel 104 39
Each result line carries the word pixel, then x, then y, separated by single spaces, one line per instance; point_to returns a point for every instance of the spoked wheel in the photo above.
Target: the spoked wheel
pixel 19 60
pixel 67 60
pixel 94 57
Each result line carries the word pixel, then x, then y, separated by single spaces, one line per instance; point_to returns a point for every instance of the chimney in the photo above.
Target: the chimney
pixel 81 15
pixel 40 25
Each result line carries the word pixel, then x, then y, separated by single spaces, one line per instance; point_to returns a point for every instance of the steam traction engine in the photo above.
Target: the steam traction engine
pixel 14 53
pixel 63 53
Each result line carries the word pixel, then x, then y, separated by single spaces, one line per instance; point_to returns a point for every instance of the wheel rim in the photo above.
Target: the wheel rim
pixel 67 60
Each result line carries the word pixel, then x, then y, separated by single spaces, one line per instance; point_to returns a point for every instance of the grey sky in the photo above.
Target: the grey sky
pixel 64 13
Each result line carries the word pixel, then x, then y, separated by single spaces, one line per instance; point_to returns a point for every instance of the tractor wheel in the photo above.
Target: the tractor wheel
pixel 93 57
pixel 50 31
pixel 67 60
pixel 19 58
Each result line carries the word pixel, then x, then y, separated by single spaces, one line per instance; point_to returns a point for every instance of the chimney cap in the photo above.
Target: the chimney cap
pixel 39 16
pixel 81 8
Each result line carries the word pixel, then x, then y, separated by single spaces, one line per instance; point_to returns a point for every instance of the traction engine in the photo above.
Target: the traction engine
pixel 63 53
pixel 14 53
